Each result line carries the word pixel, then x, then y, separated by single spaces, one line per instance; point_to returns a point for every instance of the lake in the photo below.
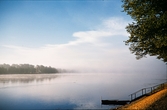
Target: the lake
pixel 70 90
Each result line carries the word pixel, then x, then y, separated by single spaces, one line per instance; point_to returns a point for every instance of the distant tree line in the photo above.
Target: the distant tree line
pixel 27 69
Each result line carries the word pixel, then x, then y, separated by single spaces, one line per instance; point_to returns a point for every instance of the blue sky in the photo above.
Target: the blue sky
pixel 86 35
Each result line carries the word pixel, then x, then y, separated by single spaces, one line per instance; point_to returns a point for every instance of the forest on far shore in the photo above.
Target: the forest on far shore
pixel 27 69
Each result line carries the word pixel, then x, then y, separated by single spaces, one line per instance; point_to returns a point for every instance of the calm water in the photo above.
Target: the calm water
pixel 69 91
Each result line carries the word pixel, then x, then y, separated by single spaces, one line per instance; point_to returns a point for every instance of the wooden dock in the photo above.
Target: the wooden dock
pixel 146 91
pixel 115 102
pixel 135 96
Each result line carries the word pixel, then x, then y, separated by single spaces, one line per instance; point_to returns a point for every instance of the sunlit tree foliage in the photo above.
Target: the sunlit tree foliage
pixel 148 32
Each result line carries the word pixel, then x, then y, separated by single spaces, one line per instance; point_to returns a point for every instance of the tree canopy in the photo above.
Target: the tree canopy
pixel 148 32
pixel 27 69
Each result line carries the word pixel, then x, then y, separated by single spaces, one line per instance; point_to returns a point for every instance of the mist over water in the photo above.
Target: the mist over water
pixel 70 91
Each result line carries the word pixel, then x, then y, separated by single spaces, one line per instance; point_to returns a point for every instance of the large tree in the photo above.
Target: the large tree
pixel 148 32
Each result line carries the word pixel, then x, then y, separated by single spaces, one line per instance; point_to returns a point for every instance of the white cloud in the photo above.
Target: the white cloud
pixel 101 49
pixel 115 23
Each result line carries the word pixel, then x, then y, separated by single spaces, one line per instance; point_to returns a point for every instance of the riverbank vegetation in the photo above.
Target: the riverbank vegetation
pixel 27 69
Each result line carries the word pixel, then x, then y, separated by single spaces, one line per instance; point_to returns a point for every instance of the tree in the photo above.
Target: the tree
pixel 148 32
pixel 26 69
pixel 3 70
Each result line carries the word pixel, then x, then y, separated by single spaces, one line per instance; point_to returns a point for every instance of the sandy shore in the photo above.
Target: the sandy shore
pixel 156 100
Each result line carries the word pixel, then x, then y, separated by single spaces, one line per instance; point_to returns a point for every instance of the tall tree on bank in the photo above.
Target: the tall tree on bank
pixel 148 32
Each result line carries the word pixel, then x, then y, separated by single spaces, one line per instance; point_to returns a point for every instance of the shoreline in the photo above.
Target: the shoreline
pixel 147 102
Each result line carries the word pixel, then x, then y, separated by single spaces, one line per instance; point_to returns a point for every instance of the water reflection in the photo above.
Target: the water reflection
pixel 68 91
pixel 26 78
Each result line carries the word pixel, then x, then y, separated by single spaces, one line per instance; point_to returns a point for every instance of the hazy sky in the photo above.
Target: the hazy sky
pixel 86 35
